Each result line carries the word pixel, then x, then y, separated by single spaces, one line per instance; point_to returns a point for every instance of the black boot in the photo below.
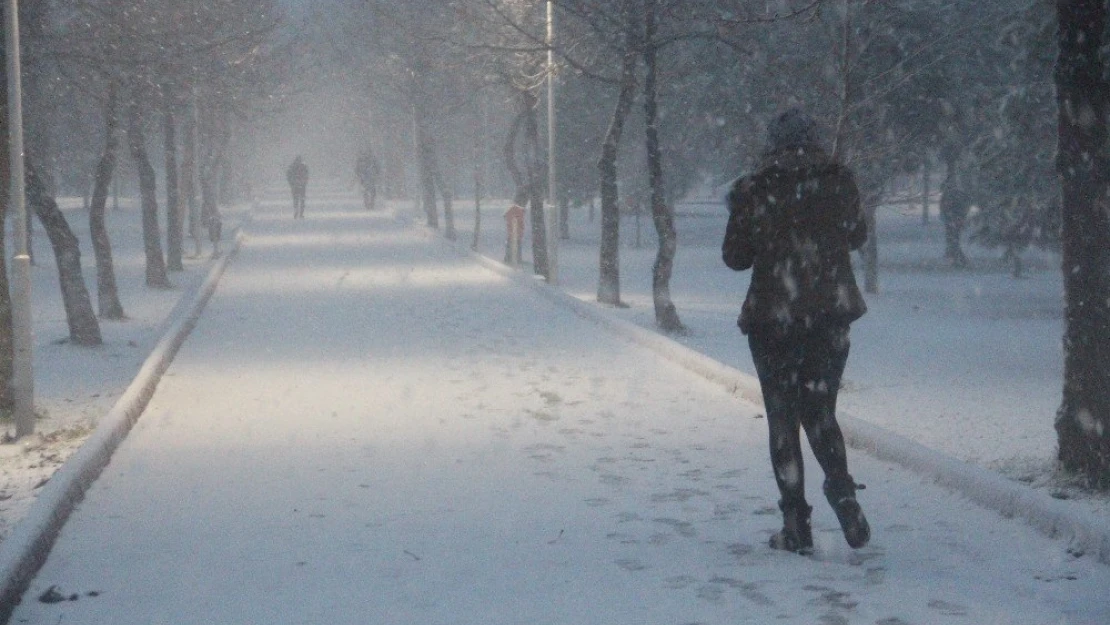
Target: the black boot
pixel 796 534
pixel 842 497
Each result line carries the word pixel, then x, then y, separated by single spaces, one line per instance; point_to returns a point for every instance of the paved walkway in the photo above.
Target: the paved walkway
pixel 366 427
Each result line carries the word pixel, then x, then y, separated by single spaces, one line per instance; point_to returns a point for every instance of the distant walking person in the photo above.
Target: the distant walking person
pixel 368 170
pixel 297 175
pixel 793 223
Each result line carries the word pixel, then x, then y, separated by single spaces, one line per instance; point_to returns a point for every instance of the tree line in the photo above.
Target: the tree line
pixel 1000 101
pixel 1005 100
pixel 99 77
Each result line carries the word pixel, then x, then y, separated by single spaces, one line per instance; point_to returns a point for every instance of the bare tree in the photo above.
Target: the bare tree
pixel 608 287
pixel 1083 421
pixel 662 213
pixel 84 329
pixel 175 210
pixel 108 302
pixel 152 237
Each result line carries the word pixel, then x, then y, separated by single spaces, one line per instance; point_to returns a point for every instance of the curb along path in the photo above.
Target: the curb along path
pixel 364 426
pixel 1085 533
pixel 25 550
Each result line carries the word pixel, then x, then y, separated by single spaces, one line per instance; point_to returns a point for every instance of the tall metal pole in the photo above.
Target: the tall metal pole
pixel 194 171
pixel 23 379
pixel 553 218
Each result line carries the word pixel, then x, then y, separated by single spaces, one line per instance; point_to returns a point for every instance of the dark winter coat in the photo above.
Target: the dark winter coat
pixel 297 174
pixel 794 222
pixel 367 169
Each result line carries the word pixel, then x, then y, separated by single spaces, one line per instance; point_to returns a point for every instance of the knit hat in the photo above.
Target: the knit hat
pixel 792 129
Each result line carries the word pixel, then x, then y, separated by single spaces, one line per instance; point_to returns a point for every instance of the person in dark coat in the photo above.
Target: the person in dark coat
pixel 297 175
pixel 368 170
pixel 793 223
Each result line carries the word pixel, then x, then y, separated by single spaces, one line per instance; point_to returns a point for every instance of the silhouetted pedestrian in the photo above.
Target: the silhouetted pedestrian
pixel 368 170
pixel 793 223
pixel 297 175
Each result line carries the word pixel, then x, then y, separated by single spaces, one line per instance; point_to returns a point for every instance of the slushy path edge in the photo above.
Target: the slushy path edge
pixel 25 550
pixel 1085 534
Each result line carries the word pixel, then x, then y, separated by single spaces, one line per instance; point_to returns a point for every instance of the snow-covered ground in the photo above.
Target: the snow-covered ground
pixel 366 426
pixel 966 362
pixel 76 386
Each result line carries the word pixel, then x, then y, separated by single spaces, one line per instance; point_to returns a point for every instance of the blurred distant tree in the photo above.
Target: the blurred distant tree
pixel 1083 96
pixel 108 303
pixel 163 50
pixel 1016 188
pixel 606 42
pixel 496 47
pixel 894 83
pixel 409 48
pixel 84 329
pixel 662 208
pixel 526 166
pixel 136 142
pixel 886 113
pixel 627 34
pixel 175 209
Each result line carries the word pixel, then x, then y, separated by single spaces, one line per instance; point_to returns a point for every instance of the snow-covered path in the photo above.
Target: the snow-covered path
pixel 366 427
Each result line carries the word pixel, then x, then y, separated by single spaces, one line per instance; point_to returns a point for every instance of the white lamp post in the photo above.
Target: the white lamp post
pixel 553 217
pixel 23 380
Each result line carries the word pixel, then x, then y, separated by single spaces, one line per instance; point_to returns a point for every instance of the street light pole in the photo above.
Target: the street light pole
pixel 23 380
pixel 553 217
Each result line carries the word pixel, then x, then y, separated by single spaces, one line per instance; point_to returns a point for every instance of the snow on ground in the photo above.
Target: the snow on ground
pixel 75 386
pixel 389 432
pixel 966 362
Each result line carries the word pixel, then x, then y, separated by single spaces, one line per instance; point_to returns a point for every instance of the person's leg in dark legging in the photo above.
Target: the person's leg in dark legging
pixel 826 355
pixel 298 203
pixel 777 363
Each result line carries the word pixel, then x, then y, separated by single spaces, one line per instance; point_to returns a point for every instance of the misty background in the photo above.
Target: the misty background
pixel 949 105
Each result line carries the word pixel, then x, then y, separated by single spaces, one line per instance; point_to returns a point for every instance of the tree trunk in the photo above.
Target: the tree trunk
pixel 107 295
pixel 175 213
pixel 425 156
pixel 925 193
pixel 84 329
pixel 534 174
pixel 152 236
pixel 564 217
pixel 608 288
pixel 210 209
pixel 870 251
pixel 479 136
pixel 446 193
pixel 1083 420
pixel 214 136
pixel 422 140
pixel 662 215
pixel 189 176
pixel 520 191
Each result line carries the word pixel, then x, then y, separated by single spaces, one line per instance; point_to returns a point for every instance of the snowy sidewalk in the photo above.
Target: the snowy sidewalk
pixel 365 427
